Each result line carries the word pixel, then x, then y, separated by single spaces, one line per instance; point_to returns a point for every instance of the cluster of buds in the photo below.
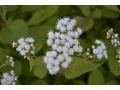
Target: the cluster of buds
pixel 114 37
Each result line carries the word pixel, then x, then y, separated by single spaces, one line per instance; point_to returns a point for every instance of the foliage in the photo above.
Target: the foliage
pixel 37 21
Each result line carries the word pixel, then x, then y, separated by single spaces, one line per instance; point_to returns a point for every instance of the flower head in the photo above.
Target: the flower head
pixel 24 46
pixel 63 43
pixel 100 51
pixel 9 78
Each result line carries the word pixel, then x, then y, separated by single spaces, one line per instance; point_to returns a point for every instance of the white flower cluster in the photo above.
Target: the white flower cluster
pixel 10 61
pixel 9 78
pixel 114 37
pixel 25 47
pixel 64 43
pixel 100 50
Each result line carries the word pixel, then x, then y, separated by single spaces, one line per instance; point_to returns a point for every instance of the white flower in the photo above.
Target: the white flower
pixel 57 41
pixel 49 42
pixel 67 44
pixel 70 33
pixel 69 27
pixel 71 51
pixel 30 40
pixel 19 48
pixel 53 53
pixel 73 22
pixel 100 50
pixel 22 52
pixel 51 35
pixel 63 43
pixel 99 55
pixel 56 62
pixel 75 48
pixel 54 46
pixel 60 58
pixel 62 29
pixel 25 47
pixel 62 36
pixel 80 31
pixel 65 65
pixel 57 35
pixel 9 78
pixel 59 49
pixel 95 51
pixel 80 49
pixel 76 34
pixel 76 42
pixel 64 49
pixel 21 40
pixel 98 42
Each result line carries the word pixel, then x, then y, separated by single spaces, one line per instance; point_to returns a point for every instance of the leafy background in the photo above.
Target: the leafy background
pixel 36 21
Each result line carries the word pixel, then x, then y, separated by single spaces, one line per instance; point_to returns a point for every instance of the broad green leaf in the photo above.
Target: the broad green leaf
pixel 85 10
pixel 112 7
pixel 40 35
pixel 31 62
pixel 96 14
pixel 78 67
pixel 108 13
pixel 39 69
pixel 31 8
pixel 37 18
pixel 42 14
pixel 112 61
pixel 18 67
pixel 13 31
pixel 11 8
pixel 85 23
pixel 2 14
pixel 96 78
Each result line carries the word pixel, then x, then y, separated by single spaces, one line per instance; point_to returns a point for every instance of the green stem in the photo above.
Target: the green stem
pixel 3 65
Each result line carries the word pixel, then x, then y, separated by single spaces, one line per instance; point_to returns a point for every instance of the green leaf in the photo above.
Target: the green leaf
pixel 18 67
pixel 31 62
pixel 39 69
pixel 85 23
pixel 96 14
pixel 96 78
pixel 108 13
pixel 78 67
pixel 85 10
pixel 13 31
pixel 2 14
pixel 42 14
pixel 11 8
pixel 112 7
pixel 31 8
pixel 40 35
pixel 112 61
